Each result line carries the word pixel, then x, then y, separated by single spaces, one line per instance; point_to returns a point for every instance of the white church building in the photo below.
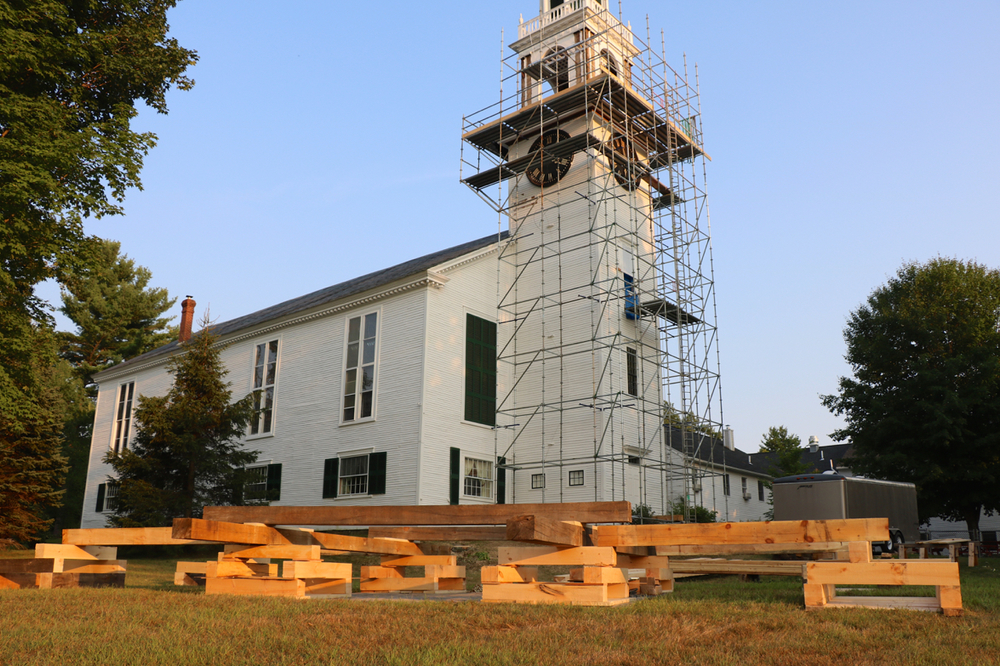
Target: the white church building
pixel 527 366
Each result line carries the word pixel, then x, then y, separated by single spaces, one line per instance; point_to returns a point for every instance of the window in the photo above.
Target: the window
pixel 480 370
pixel 263 483
pixel 760 490
pixel 354 475
pixel 265 370
pixel 478 478
pixel 123 417
pixel 632 368
pixel 725 484
pixel 359 367
pixel 631 302
pixel 634 460
pixel 537 481
pixel 107 497
pixel 743 481
pixel 576 478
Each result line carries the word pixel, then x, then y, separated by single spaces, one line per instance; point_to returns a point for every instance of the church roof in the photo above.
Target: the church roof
pixel 325 296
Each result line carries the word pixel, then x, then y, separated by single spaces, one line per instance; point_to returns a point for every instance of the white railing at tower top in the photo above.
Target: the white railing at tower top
pixel 567 8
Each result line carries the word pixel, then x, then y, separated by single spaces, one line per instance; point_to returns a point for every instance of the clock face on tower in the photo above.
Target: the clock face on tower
pixel 546 170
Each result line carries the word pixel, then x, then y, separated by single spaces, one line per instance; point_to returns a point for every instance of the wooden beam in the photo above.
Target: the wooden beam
pixel 71 552
pixel 785 531
pixel 558 593
pixel 125 536
pixel 260 535
pixel 239 551
pixel 597 575
pixel 418 560
pixel 465 514
pixel 502 574
pixel 752 548
pixel 271 587
pixel 330 570
pixel 354 544
pixel 887 572
pixel 451 534
pixel 544 530
pixel 550 555
pixel 765 567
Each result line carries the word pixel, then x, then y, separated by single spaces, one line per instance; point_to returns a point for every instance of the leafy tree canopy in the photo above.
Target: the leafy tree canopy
pixel 787 449
pixel 70 77
pixel 923 402
pixel 187 451
pixel 117 315
pixel 71 73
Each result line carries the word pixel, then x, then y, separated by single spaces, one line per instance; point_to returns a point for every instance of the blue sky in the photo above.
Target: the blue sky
pixel 322 140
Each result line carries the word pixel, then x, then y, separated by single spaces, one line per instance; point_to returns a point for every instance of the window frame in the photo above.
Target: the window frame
pixel 726 485
pixel 120 418
pixel 487 483
pixel 268 391
pixel 760 490
pixel 349 479
pixel 360 363
pixel 575 480
pixel 631 372
pixel 535 479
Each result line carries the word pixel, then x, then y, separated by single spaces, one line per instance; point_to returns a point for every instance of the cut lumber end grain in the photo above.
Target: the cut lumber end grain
pixel 543 530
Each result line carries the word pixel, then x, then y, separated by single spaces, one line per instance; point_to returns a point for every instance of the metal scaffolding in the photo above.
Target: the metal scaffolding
pixel 593 160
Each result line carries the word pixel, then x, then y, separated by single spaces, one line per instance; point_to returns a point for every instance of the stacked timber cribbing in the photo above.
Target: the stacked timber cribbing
pixel 607 558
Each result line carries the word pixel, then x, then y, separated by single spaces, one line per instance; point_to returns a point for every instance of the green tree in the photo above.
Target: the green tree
pixel 688 421
pixel 117 317
pixel 70 76
pixel 787 450
pixel 31 415
pixel 187 451
pixel 117 314
pixel 923 404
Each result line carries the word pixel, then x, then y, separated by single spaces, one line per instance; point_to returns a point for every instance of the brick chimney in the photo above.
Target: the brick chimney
pixel 187 316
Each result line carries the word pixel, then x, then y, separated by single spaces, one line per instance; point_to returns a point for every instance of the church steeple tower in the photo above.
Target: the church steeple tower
pixel 604 308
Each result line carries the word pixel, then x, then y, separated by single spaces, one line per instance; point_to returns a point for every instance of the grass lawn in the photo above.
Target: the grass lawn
pixel 707 620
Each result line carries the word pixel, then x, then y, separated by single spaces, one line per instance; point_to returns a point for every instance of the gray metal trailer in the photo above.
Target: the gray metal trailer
pixel 828 496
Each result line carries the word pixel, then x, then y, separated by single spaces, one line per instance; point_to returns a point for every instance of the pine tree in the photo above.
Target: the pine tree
pixel 187 451
pixel 117 314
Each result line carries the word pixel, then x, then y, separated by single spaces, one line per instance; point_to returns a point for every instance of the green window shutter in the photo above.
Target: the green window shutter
pixel 480 370
pixel 274 482
pixel 501 481
pixel 331 477
pixel 455 480
pixel 376 473
pixel 100 497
